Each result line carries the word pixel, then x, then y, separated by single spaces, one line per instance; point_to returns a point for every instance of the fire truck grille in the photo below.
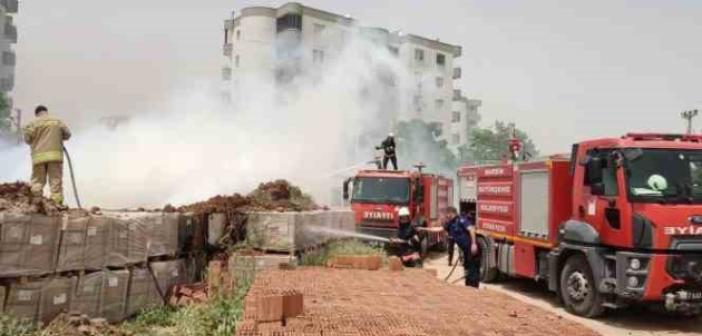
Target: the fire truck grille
pixel 686 267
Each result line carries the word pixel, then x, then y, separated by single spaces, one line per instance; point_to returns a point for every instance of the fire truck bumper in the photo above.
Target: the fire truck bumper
pixel 684 301
pixel 674 279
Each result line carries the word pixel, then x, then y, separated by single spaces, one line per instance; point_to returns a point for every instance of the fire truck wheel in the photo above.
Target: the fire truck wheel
pixel 578 290
pixel 487 273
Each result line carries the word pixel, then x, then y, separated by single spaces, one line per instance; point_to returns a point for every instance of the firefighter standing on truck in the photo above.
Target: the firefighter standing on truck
pixel 462 230
pixel 46 135
pixel 388 147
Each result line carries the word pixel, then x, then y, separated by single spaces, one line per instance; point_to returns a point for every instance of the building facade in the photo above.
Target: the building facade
pixel 272 46
pixel 464 117
pixel 7 39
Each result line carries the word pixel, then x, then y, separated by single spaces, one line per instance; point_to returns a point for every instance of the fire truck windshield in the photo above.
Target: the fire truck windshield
pixel 665 176
pixel 381 190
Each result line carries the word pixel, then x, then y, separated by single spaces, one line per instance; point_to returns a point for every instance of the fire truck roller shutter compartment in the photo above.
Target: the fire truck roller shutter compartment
pixel 534 198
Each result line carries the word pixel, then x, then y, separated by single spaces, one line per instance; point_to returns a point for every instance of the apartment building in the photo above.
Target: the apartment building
pixel 464 117
pixel 7 39
pixel 265 45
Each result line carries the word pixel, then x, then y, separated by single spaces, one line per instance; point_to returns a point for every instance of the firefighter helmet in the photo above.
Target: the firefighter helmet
pixel 404 211
pixel 657 182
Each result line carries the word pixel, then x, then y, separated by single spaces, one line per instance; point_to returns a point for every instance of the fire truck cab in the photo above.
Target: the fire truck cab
pixel 620 221
pixel 377 195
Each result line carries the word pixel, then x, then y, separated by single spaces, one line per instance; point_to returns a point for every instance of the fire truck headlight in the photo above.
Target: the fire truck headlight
pixel 633 281
pixel 635 264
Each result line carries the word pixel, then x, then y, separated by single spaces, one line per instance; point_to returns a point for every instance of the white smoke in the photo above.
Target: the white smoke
pixel 193 147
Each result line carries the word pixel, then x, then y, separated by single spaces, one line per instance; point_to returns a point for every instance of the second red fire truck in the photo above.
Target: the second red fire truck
pixel 618 221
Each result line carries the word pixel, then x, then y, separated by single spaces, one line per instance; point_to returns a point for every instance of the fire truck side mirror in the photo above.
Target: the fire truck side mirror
pixel 593 173
pixel 346 189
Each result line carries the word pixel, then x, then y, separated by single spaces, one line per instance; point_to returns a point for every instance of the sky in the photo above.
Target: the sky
pixel 563 71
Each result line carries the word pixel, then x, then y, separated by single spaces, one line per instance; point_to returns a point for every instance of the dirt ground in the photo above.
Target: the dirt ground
pixel 408 302
pixel 634 321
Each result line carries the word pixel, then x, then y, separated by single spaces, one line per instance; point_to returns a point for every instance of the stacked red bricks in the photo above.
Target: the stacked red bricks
pixel 361 302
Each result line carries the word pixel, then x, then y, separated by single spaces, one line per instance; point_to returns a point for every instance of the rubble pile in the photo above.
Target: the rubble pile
pixel 16 197
pixel 81 325
pixel 412 302
pixel 278 195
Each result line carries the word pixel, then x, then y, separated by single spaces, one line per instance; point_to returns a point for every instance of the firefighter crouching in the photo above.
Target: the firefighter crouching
pixel 45 135
pixel 408 242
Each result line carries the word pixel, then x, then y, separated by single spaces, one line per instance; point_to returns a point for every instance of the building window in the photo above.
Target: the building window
pixel 238 35
pixel 419 55
pixel 288 22
pixel 317 56
pixel 417 103
pixel 394 51
pixel 236 61
pixel 455 117
pixel 439 104
pixel 455 139
pixel 440 59
pixel 226 36
pixel 439 82
pixel 8 58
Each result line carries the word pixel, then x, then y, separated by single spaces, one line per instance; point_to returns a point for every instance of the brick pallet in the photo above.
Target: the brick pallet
pixel 96 265
pixel 412 302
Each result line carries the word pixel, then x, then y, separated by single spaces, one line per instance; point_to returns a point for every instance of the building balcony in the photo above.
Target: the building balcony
pixel 11 6
pixel 457 94
pixel 457 73
pixel 10 32
pixel 9 58
pixel 226 73
pixel 227 49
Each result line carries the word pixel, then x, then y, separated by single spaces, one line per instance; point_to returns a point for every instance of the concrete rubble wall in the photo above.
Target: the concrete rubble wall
pixel 296 231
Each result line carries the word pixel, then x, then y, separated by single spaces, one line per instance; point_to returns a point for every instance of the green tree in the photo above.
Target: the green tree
pixel 492 144
pixel 5 114
pixel 416 142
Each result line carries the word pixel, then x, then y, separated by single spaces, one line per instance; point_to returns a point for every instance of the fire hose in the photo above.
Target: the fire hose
pixel 73 178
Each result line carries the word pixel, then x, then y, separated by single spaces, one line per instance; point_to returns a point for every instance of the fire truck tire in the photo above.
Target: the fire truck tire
pixel 488 273
pixel 578 290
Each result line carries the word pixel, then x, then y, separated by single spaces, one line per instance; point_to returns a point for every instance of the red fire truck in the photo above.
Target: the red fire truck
pixel 619 221
pixel 377 195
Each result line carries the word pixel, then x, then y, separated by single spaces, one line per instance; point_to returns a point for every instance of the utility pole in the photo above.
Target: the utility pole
pixel 689 115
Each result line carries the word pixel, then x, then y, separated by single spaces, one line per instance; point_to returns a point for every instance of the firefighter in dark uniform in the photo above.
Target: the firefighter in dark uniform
pixel 408 241
pixel 388 147
pixel 462 230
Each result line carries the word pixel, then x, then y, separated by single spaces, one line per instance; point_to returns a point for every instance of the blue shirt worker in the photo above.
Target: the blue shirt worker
pixel 462 231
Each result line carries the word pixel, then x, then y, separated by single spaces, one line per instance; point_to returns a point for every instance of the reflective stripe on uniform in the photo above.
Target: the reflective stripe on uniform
pixel 52 156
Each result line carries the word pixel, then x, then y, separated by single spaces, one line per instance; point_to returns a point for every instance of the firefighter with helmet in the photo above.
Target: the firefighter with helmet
pixel 388 147
pixel 408 242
